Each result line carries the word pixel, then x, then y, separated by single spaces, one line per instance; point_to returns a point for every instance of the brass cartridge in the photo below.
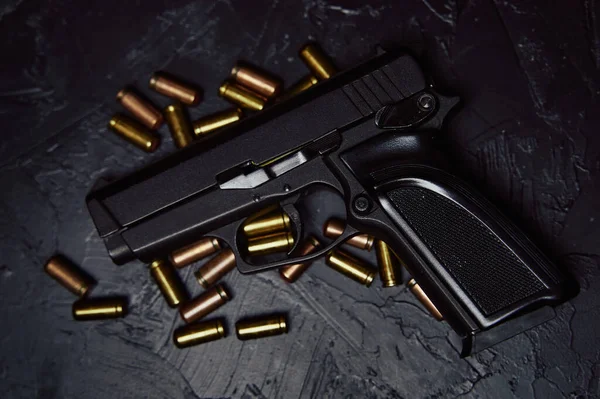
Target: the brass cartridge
pixel 168 282
pixel 260 327
pixel 134 132
pixel 213 270
pixel 170 86
pixel 204 304
pixel 142 109
pixel 199 333
pixel 69 276
pixel 99 308
pixel 194 252
pixel 350 267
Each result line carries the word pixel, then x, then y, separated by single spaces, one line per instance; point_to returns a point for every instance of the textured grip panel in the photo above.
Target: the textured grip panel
pixel 485 268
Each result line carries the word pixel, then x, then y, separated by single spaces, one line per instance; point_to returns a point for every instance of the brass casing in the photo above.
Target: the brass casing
pixel 424 299
pixel 204 304
pixel 194 252
pixel 278 242
pixel 99 308
pixel 169 283
pixel 291 273
pixel 134 132
pixel 317 61
pixel 256 80
pixel 334 228
pixel 260 327
pixel 213 270
pixel 350 267
pixel 211 123
pixel 179 125
pixel 172 87
pixel 389 265
pixel 303 84
pixel 199 333
pixel 271 223
pixel 69 276
pixel 142 109
pixel 241 96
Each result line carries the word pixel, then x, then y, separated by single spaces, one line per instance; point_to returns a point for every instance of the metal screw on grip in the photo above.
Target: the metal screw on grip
pixel 361 203
pixel 426 102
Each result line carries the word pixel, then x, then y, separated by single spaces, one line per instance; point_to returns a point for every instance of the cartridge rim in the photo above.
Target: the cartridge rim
pixel 224 87
pixel 121 94
pixel 389 282
pixel 222 292
pixel 220 328
pixel 153 144
pixel 283 324
pixel 286 220
pixel 290 239
pixel 201 280
pixel 369 243
pixel 216 244
pixel 369 279
pixel 153 80
pixel 411 283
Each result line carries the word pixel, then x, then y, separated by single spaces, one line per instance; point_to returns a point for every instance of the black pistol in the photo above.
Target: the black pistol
pixel 373 134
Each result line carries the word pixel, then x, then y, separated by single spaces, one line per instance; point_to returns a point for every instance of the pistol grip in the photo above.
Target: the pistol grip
pixel 476 266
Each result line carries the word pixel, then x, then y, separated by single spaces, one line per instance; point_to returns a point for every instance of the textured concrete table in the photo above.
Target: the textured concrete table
pixel 528 136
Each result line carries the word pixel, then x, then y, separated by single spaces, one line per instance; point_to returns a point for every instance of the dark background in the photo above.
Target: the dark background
pixel 528 135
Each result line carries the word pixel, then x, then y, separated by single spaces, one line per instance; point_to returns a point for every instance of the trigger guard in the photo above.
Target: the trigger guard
pixel 294 215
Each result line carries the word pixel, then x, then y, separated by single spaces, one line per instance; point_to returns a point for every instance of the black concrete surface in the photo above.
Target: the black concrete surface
pixel 528 137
